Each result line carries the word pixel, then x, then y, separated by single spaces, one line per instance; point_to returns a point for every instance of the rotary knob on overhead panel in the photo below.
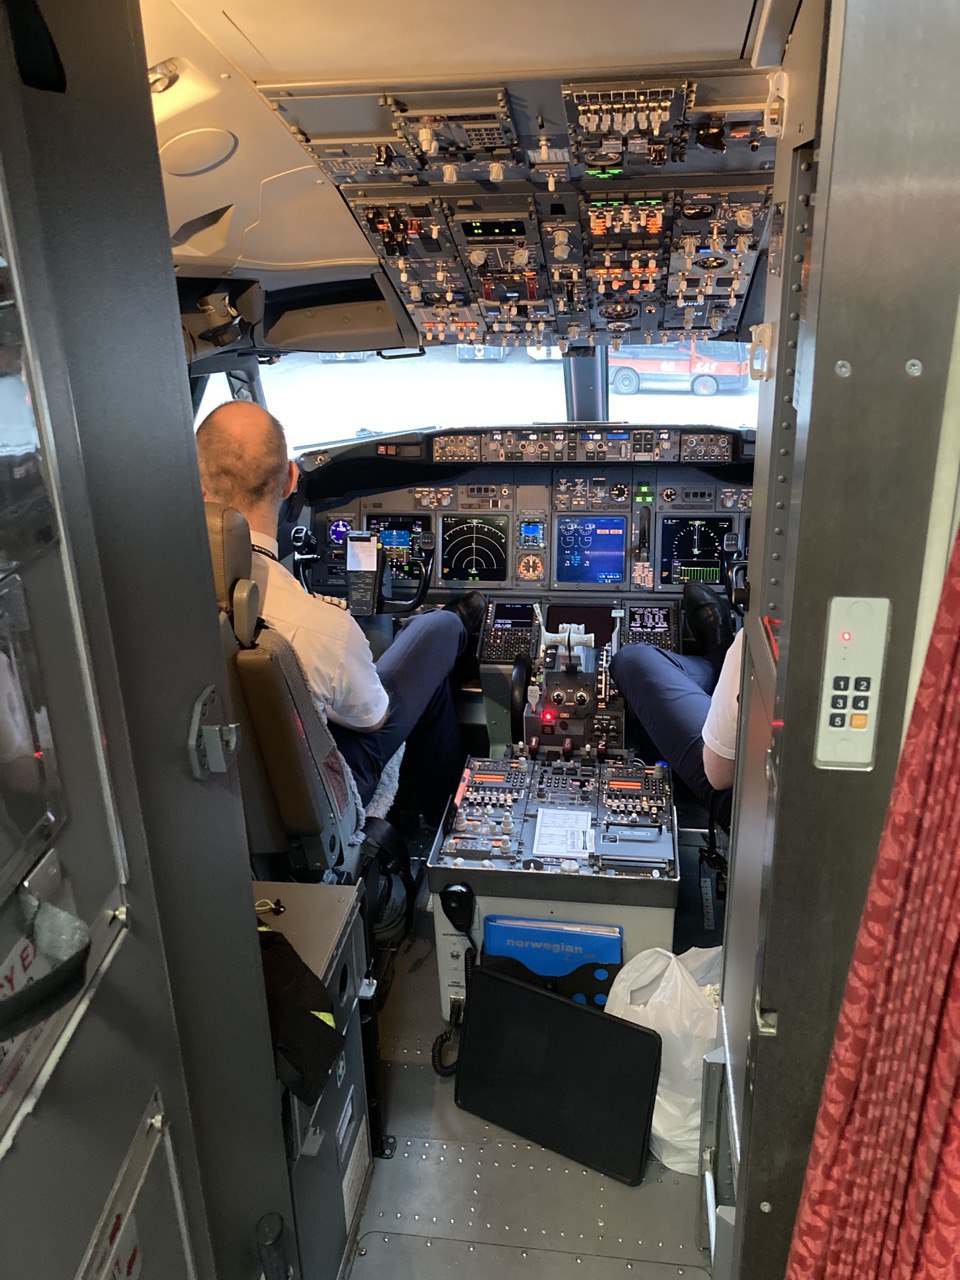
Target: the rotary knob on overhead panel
pixel 521 257
pixel 496 171
pixel 450 173
pixel 478 257
pixel 581 698
pixel 745 219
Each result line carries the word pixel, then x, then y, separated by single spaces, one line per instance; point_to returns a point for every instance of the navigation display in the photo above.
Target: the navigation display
pixel 591 549
pixel 691 549
pixel 473 548
pixel 400 538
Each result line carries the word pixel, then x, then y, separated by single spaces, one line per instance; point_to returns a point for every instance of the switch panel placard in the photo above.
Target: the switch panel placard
pixel 854 653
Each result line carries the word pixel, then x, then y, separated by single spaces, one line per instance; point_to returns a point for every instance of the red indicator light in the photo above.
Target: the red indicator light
pixel 547 717
pixel 846 637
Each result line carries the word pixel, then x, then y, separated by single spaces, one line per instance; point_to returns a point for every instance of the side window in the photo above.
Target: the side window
pixel 215 393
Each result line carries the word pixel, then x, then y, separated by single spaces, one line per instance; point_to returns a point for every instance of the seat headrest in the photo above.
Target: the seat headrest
pixel 230 550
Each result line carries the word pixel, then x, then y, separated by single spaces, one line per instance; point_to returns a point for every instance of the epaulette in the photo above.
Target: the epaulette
pixel 338 602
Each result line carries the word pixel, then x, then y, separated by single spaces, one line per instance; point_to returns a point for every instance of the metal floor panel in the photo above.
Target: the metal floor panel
pixel 462 1195
pixel 514 1192
pixel 425 1258
pixel 417 1101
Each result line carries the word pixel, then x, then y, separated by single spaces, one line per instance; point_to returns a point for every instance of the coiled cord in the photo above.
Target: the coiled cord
pixel 447 1069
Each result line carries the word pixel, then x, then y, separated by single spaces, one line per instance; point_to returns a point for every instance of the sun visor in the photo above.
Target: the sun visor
pixel 349 315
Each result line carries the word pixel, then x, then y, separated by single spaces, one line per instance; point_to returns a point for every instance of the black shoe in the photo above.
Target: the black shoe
pixel 709 619
pixel 471 609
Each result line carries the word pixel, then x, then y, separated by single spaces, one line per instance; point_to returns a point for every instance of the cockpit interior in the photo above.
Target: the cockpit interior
pixel 440 358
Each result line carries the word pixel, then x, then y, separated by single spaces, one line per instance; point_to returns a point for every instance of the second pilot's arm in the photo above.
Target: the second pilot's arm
pixel 720 727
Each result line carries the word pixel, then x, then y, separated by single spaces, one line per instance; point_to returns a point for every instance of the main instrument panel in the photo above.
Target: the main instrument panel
pixel 611 510
pixel 541 212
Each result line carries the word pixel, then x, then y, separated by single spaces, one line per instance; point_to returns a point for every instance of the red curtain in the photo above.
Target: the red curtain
pixel 882 1194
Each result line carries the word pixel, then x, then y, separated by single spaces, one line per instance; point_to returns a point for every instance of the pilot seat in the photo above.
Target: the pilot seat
pixel 303 815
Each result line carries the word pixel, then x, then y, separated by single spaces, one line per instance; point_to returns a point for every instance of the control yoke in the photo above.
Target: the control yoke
pixel 369 583
pixel 735 573
pixel 428 547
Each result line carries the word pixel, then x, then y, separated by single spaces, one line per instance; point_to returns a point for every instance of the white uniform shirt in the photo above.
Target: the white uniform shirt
pixel 720 728
pixel 333 651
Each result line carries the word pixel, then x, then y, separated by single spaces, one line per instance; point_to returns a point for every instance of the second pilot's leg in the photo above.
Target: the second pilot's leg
pixel 669 694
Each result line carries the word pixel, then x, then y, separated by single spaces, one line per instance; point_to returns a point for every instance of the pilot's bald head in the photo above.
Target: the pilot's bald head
pixel 243 458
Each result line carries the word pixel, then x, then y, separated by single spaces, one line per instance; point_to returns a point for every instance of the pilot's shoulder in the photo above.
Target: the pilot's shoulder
pixel 337 601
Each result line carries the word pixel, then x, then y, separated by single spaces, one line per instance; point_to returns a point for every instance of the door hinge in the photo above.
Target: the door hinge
pixel 212 742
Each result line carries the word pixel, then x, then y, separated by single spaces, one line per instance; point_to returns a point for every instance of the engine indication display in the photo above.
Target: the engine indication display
pixel 474 548
pixel 691 550
pixel 591 549
pixel 399 536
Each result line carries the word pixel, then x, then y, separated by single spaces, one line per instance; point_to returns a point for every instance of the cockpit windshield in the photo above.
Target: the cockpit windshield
pixel 330 398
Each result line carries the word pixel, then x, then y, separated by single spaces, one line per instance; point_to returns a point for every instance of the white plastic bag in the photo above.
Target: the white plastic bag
pixel 666 993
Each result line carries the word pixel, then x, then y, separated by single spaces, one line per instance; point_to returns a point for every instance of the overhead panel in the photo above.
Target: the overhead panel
pixel 542 212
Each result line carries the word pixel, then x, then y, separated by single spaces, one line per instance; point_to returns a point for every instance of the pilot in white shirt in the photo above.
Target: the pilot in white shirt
pixel 333 651
pixel 371 708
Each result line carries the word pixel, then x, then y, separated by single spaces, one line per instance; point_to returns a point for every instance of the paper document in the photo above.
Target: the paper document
pixel 563 833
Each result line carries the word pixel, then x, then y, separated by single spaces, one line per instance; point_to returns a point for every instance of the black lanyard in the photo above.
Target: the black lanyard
pixel 264 552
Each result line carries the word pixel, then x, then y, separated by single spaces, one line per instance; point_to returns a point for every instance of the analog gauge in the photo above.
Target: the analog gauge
pixel 619 492
pixel 530 568
pixel 338 532
pixel 710 262
pixel 669 495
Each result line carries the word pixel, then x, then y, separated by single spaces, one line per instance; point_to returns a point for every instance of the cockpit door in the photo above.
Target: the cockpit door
pixel 139 1112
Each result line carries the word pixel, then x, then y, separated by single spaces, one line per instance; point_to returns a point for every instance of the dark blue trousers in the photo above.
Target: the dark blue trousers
pixel 669 693
pixel 415 671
